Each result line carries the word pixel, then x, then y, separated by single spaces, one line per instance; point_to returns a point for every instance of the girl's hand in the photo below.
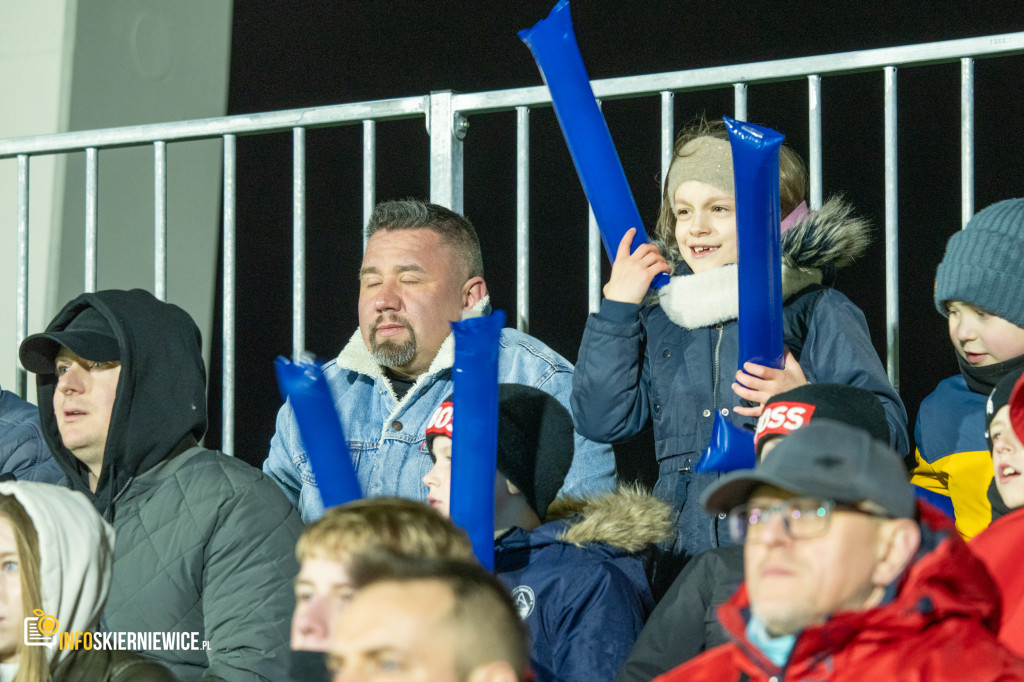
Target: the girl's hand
pixel 758 383
pixel 632 272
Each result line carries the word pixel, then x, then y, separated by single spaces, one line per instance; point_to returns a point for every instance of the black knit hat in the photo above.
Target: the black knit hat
pixel 982 264
pixel 1009 389
pixel 535 441
pixel 791 410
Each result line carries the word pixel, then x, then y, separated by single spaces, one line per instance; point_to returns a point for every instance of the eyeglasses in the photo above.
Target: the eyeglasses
pixel 802 517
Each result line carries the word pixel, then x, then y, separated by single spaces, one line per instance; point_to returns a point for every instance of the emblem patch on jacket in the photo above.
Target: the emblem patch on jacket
pixel 524 599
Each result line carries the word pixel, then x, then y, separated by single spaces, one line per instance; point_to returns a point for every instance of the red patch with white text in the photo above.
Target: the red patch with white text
pixel 780 419
pixel 441 421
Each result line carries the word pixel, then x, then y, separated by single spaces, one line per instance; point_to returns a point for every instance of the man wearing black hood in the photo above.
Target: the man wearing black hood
pixel 204 541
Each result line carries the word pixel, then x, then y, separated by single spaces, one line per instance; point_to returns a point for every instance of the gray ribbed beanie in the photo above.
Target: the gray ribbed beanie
pixel 984 263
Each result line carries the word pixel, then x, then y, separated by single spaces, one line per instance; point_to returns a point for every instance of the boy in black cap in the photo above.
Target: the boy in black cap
pixel 575 568
pixel 998 546
pixel 845 578
pixel 979 287
pixel 684 622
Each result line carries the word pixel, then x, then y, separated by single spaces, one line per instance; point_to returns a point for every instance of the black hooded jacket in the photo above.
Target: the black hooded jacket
pixel 205 542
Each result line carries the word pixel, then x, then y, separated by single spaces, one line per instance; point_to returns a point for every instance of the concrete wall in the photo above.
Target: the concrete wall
pixel 87 64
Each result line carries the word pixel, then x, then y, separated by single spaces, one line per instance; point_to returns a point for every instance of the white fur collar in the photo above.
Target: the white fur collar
pixel 705 299
pixel 356 357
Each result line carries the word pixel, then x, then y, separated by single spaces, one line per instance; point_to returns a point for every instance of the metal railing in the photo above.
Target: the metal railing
pixel 445 115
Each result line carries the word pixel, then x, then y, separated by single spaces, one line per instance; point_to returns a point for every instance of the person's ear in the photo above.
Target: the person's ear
pixel 495 671
pixel 473 291
pixel 898 542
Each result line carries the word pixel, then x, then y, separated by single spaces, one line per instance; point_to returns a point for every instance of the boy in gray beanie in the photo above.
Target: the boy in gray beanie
pixel 979 288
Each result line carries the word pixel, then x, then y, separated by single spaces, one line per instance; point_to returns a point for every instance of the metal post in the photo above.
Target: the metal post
pixel 369 173
pixel 160 220
pixel 740 101
pixel 814 139
pixel 523 219
pixel 447 130
pixel 668 133
pixel 228 341
pixel 298 242
pixel 966 140
pixel 21 322
pixel 91 212
pixel 892 274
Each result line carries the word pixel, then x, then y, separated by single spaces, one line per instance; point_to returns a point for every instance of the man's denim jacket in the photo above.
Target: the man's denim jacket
pixel 386 436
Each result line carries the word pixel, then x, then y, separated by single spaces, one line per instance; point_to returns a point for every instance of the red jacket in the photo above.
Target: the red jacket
pixel 939 626
pixel 998 547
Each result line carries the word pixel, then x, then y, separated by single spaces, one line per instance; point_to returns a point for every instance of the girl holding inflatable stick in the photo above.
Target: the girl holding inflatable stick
pixel 667 360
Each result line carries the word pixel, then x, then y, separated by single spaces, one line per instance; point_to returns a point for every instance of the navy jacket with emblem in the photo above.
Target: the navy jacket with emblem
pixel 580 582
pixel 670 365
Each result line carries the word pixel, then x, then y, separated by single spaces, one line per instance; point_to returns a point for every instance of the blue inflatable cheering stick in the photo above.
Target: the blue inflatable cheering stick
pixel 304 386
pixel 755 154
pixel 554 48
pixel 475 430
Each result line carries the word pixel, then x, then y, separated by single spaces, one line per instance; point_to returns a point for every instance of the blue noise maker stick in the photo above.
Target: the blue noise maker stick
pixel 304 386
pixel 554 48
pixel 475 430
pixel 755 163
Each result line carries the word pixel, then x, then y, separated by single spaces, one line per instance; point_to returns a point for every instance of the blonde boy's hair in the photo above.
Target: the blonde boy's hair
pixel 397 524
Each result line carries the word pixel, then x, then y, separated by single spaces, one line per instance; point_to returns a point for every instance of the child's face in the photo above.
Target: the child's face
pixel 705 225
pixel 1007 459
pixel 982 338
pixel 439 478
pixel 322 590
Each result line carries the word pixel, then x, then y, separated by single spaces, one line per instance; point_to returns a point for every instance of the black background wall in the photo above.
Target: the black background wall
pixel 308 53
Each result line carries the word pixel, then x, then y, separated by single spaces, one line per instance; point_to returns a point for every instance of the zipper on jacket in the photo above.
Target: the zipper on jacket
pixel 715 367
pixel 108 516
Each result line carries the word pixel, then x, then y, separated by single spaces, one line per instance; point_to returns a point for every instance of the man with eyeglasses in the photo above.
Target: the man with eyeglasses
pixel 846 578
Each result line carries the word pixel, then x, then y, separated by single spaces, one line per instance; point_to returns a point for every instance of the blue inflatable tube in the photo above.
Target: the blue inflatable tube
pixel 755 164
pixel 554 48
pixel 475 430
pixel 304 386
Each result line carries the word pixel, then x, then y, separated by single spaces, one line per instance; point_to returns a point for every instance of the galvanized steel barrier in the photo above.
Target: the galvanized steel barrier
pixel 445 115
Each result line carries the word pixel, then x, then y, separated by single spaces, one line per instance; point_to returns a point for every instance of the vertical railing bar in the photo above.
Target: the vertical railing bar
pixel 892 284
pixel 21 317
pixel 91 213
pixel 369 173
pixel 966 140
pixel 668 132
pixel 160 219
pixel 523 219
pixel 740 101
pixel 228 340
pixel 298 242
pixel 593 263
pixel 814 138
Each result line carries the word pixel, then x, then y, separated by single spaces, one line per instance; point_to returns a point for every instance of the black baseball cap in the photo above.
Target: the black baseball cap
pixel 825 459
pixel 89 335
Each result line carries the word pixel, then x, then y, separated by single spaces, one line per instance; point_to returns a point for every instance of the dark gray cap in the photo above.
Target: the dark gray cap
pixel 824 459
pixel 89 335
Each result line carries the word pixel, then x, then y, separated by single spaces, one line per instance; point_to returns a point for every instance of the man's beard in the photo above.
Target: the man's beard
pixel 389 353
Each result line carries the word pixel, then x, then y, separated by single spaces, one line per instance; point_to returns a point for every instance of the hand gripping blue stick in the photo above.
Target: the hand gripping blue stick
pixel 475 430
pixel 554 48
pixel 304 386
pixel 755 164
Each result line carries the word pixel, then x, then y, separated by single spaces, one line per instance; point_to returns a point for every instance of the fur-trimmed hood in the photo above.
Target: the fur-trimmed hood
pixel 629 519
pixel 820 242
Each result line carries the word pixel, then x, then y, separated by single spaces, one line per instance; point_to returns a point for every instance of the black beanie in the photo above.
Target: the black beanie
pixel 535 441
pixel 790 410
pixel 1000 397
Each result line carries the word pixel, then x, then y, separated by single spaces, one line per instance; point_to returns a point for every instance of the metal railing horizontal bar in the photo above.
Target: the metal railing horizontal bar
pixel 239 124
pixel 757 72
